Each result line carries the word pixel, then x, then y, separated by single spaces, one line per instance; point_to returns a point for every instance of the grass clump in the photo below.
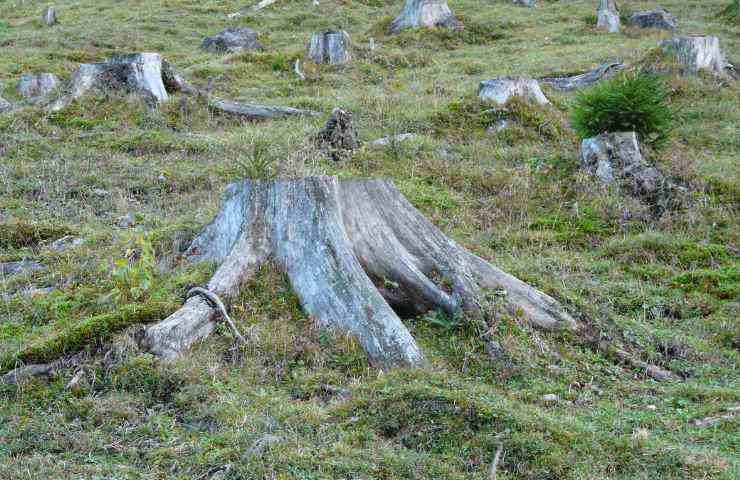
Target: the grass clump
pixel 633 101
pixel 731 13
pixel 20 234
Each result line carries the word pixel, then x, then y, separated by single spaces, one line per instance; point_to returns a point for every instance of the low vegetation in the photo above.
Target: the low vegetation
pixel 297 402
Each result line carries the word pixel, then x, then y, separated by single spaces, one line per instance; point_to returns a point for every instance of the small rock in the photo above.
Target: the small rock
pixel 401 137
pixel 49 16
pixel 550 399
pixel 232 40
pixel 23 373
pixel 652 407
pixel 65 243
pixel 99 192
pixel 640 435
pixel 498 127
pixel 127 221
pixel 526 3
pixel 41 85
pixel 656 18
pixel 5 105
pixel 260 445
pixel 36 292
pixel 9 269
pixel 494 350
pixel 500 90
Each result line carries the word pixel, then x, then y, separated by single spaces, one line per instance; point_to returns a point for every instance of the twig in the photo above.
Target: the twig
pixel 216 301
pixel 297 69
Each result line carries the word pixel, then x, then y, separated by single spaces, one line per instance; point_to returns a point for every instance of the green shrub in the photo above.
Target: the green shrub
pixel 633 101
pixel 731 13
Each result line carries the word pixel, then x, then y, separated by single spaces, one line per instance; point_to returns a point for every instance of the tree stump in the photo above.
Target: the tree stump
pixel 330 47
pixel 144 74
pixel 616 158
pixel 5 106
pixel 695 53
pixel 499 90
pixel 339 135
pixel 355 252
pixel 41 85
pixel 607 16
pixel 232 40
pixel 424 14
pixel 568 84
pixel 49 16
pixel 655 18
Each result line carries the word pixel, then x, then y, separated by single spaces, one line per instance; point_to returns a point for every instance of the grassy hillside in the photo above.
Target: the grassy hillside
pixel 664 289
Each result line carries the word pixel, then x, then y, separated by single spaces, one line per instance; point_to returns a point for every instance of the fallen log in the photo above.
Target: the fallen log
pixel 357 254
pixel 251 111
pixel 568 84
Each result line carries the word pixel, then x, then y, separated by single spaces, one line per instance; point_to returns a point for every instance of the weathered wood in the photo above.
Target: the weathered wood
pixel 232 40
pixel 607 16
pixel 5 106
pixel 330 47
pixel 144 74
pixel 615 158
pixel 339 136
pixel 655 18
pixel 500 90
pixel 695 53
pixel 424 14
pixel 49 16
pixel 582 80
pixel 356 253
pixel 41 85
pixel 259 112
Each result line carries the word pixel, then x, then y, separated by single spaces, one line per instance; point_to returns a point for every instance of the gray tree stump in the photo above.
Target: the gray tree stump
pixel 424 14
pixel 330 47
pixel 49 16
pixel 615 158
pixel 655 18
pixel 144 74
pixel 41 85
pixel 355 252
pixel 258 112
pixel 568 84
pixel 695 53
pixel 500 90
pixel 232 40
pixel 339 136
pixel 607 16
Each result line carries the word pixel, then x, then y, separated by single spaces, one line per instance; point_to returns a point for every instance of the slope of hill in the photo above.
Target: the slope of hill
pixel 297 402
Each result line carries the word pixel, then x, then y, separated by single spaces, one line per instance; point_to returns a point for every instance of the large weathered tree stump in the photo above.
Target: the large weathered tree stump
pixel 607 16
pixel 49 16
pixel 356 252
pixel 695 53
pixel 144 74
pixel 330 47
pixel 424 14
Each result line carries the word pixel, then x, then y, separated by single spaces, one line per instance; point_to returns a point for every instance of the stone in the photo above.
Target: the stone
pixel 607 16
pixel 401 137
pixel 251 111
pixel 40 85
pixel 65 243
pixel 5 106
pixel 525 3
pixel 655 18
pixel 500 90
pixel 330 47
pixel 9 269
pixel 260 445
pixel 49 16
pixel 127 221
pixel 339 136
pixel 615 158
pixel 695 53
pixel 232 40
pixel 99 192
pixel 25 372
pixel 550 399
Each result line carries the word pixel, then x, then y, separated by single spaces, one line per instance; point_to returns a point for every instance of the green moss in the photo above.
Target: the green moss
pixel 19 234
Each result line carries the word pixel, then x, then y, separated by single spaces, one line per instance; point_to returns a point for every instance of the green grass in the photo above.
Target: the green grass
pixel 664 290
